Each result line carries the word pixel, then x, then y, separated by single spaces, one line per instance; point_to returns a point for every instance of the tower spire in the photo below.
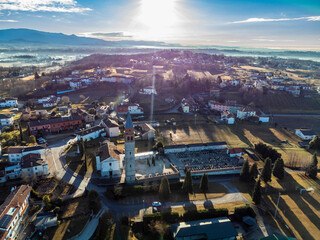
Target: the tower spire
pixel 129 146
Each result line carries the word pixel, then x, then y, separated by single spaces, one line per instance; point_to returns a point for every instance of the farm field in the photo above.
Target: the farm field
pixel 286 104
pixel 282 103
pixel 104 92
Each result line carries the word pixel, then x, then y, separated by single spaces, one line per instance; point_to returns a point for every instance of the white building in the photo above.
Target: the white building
pixel 13 210
pixel 185 107
pixel 227 117
pixel 8 102
pixel 16 153
pixel 5 120
pixel 305 134
pixel 33 165
pixel 108 160
pixel 148 132
pixel 13 172
pixel 111 127
pixel 148 90
pixel 90 133
pixel 264 119
pixel 74 84
pixel 194 147
pixel 245 113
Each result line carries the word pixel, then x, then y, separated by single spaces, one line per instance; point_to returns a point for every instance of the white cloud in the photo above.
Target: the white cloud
pixel 255 20
pixel 263 40
pixel 9 20
pixel 67 6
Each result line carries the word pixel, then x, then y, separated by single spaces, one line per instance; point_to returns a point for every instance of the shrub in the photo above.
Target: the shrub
pixel 170 217
pixel 56 210
pixel 205 214
pixel 266 151
pixel 240 212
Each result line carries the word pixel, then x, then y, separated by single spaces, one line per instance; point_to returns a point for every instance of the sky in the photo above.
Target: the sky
pixel 283 24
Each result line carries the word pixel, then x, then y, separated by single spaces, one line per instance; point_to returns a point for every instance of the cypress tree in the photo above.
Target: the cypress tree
pixel 278 168
pixel 204 183
pixel 256 194
pixel 253 172
pixel 21 133
pixel 187 184
pixel 267 170
pixel 164 189
pixel 312 170
pixel 244 175
pixel 81 149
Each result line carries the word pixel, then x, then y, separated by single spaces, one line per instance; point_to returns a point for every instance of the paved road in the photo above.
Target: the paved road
pixel 57 167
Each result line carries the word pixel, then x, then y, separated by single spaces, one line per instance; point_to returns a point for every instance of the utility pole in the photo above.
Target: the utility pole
pixel 275 214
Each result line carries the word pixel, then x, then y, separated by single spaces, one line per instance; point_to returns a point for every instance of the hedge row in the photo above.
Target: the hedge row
pixel 191 215
pixel 240 212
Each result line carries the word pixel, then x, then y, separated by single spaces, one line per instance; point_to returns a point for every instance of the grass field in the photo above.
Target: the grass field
pixel 67 229
pixel 104 92
pixel 286 104
pixel 300 212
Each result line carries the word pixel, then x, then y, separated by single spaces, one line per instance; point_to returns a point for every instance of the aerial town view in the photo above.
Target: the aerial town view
pixel 159 119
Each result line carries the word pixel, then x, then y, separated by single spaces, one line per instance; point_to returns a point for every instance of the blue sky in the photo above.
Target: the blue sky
pixel 247 23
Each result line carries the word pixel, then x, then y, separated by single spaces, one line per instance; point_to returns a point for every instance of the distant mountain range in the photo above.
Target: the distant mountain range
pixel 30 36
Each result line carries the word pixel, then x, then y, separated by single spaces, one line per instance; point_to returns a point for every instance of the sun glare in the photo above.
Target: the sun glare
pixel 158 18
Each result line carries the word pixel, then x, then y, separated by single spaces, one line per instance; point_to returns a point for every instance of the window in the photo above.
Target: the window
pixel 110 164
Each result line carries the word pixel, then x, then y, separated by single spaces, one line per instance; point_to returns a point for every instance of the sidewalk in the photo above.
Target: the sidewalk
pixel 90 228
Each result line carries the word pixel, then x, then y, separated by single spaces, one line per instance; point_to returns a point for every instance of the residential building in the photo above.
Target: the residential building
pixel 16 153
pixel 220 107
pixel 72 122
pixel 49 101
pixel 148 90
pixel 26 114
pixel 86 117
pixel 245 113
pixel 13 210
pixel 108 160
pixel 33 165
pixel 111 127
pixel 305 134
pixel 189 105
pixel 227 117
pixel 148 132
pixel 132 108
pixel 5 120
pixel 13 171
pixel 90 133
pixel 294 90
pixel 75 84
pixel 8 102
pixel 209 229
pixel 102 111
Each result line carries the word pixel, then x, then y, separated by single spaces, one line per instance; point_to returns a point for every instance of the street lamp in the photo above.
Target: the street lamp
pixel 275 214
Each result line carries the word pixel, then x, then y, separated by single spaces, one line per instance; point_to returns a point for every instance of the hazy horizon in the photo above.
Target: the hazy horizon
pixel 274 24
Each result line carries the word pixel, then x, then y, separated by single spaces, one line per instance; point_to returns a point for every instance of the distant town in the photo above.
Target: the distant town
pixel 173 144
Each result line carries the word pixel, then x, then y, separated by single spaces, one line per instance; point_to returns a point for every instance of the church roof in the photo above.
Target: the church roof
pixel 129 124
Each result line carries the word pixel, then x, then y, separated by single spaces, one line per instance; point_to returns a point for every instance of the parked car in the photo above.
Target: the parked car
pixel 156 204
